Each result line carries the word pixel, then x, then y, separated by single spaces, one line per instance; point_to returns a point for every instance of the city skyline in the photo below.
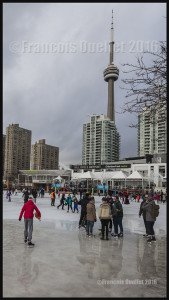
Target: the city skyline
pixel 50 90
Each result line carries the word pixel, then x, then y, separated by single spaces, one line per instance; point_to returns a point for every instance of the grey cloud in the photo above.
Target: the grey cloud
pixel 52 93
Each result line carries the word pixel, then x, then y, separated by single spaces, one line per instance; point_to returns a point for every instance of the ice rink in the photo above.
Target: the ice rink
pixel 66 263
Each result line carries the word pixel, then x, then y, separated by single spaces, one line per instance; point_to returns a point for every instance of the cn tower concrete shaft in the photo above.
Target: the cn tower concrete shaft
pixel 111 74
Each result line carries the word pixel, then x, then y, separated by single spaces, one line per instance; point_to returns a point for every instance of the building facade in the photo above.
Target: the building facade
pixel 4 140
pixel 152 130
pixel 17 150
pixel 44 157
pixel 101 141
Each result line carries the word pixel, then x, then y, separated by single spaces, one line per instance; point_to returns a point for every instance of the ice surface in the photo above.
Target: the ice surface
pixel 64 263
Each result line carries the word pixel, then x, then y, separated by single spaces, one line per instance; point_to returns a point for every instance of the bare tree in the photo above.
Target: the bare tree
pixel 146 84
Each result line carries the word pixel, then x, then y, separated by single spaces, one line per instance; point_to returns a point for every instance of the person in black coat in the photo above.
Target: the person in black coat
pixel 26 195
pixel 143 213
pixel 83 202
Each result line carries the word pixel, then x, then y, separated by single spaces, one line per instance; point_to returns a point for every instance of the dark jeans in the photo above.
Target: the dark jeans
pixel 145 225
pixel 117 221
pixel 61 203
pixel 89 227
pixel 69 205
pixel 150 230
pixel 105 225
pixel 52 202
pixel 110 224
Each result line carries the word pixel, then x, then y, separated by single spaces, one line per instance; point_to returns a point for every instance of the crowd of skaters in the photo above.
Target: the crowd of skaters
pixel 110 211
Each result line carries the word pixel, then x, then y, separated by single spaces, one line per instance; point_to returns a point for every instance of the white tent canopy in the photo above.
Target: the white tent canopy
pixel 135 175
pixel 58 178
pixel 119 175
pixel 85 175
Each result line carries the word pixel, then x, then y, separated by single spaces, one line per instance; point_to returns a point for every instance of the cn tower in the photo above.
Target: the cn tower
pixel 111 74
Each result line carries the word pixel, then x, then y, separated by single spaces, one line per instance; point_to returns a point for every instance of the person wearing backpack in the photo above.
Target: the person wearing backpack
pixel 104 216
pixel 148 207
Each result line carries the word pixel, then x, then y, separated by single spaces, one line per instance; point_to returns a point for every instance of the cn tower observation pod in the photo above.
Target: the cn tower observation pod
pixel 111 72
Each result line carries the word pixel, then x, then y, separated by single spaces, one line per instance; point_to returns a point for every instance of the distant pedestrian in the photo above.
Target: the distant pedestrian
pixel 28 209
pixel 75 201
pixel 26 195
pixel 53 196
pixel 16 192
pixel 69 202
pixel 138 198
pixel 34 194
pixel 9 196
pixel 62 201
pixel 58 194
pixel 164 198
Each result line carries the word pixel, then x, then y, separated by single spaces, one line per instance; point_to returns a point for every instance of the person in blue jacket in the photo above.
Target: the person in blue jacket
pixel 69 202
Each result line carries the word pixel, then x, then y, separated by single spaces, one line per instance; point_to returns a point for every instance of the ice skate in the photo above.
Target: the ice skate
pixel 30 245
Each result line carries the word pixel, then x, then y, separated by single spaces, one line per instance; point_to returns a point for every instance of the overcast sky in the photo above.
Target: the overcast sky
pixel 53 77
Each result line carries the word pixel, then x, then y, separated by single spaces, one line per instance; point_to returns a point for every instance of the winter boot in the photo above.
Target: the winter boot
pixel 25 240
pixel 149 239
pixel 30 244
pixel 102 238
pixel 120 234
pixel 153 239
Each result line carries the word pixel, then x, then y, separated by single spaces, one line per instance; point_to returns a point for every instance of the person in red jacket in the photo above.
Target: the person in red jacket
pixel 28 209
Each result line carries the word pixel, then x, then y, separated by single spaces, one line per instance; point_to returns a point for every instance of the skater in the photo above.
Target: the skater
pixel 104 216
pixel 74 199
pixel 53 196
pixel 143 212
pixel 83 202
pixel 58 194
pixel 26 196
pixel 16 192
pixel 118 217
pixel 62 201
pixel 138 197
pixel 28 209
pixel 69 202
pixel 34 194
pixel 150 220
pixel 90 216
pixel 164 198
pixel 9 196
pixel 110 202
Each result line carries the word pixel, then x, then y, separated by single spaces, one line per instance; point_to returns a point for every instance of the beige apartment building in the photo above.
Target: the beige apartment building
pixel 17 151
pixel 44 157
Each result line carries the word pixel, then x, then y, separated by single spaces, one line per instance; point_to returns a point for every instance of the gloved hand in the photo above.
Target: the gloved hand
pixel 19 219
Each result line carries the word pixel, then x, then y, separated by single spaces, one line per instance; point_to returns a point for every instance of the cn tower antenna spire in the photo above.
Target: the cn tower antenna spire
pixel 111 74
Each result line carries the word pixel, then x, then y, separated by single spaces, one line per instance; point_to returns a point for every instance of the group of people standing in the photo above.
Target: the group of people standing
pixel 110 211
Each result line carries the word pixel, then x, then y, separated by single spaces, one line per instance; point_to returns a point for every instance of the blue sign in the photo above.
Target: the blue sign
pixel 102 187
pixel 54 185
pixel 58 185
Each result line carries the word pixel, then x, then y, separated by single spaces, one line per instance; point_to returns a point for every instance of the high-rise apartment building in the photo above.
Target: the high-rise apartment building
pixel 101 141
pixel 4 139
pixel 152 130
pixel 44 157
pixel 17 150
